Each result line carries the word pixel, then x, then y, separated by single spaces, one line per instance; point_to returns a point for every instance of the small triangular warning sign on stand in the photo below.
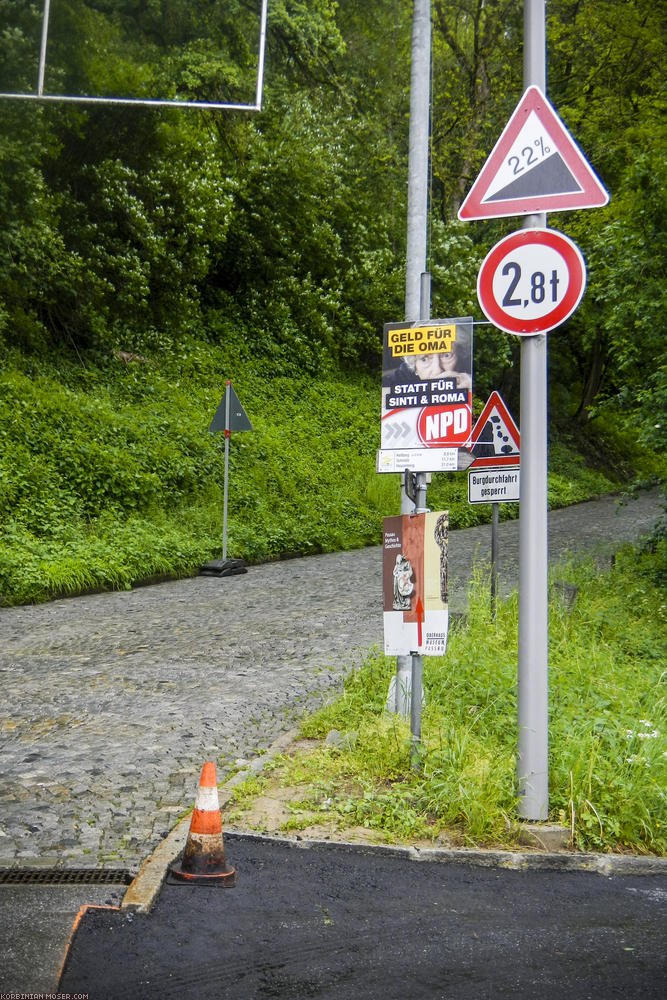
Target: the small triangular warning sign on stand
pixel 236 420
pixel 535 166
pixel 495 439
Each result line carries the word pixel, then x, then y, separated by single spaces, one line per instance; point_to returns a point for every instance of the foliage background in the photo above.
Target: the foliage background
pixel 148 254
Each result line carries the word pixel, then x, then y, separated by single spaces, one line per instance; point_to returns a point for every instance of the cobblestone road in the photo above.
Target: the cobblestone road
pixel 112 702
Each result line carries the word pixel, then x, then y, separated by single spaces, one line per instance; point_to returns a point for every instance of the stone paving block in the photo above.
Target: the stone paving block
pixel 112 702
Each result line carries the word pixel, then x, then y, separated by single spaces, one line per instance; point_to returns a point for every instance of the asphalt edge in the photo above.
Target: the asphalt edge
pixel 602 864
pixel 75 926
pixel 142 893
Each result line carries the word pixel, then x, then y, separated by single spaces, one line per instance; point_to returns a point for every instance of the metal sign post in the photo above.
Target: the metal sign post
pixel 225 493
pixel 533 699
pixel 495 518
pixel 405 691
pixel 418 153
pixel 494 476
pixel 230 416
pixel 529 284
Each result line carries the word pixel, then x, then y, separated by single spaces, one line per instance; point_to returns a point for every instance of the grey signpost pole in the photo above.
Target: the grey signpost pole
pixel 532 765
pixel 417 661
pixel 420 93
pixel 225 502
pixel 495 518
pixel 418 152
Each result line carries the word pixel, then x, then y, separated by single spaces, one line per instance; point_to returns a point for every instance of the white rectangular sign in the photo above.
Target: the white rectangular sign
pixel 417 460
pixel 493 485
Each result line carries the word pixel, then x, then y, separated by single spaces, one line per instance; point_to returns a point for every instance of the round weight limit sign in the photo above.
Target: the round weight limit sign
pixel 531 281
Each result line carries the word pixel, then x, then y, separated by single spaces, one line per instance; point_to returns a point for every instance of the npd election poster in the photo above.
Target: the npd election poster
pixel 426 395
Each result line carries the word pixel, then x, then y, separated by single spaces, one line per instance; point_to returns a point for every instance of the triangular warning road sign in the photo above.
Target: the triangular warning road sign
pixel 495 439
pixel 238 418
pixel 535 166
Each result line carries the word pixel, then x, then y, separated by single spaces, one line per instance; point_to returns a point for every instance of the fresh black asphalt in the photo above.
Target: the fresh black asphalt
pixel 339 923
pixel 106 721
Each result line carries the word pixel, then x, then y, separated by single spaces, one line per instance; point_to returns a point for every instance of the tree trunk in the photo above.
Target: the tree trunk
pixel 596 369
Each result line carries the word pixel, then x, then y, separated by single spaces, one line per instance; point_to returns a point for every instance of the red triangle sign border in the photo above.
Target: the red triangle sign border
pixel 495 402
pixel 591 193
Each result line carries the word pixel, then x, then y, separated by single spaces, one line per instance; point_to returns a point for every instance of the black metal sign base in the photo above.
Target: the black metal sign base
pixel 223 567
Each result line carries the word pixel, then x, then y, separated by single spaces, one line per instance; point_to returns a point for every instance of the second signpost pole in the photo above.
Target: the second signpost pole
pixel 417 662
pixel 532 761
pixel 418 155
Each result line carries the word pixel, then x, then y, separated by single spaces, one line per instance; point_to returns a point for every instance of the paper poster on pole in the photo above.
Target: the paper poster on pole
pixel 426 393
pixel 415 585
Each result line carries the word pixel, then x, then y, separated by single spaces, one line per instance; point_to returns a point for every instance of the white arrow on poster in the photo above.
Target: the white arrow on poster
pixel 535 166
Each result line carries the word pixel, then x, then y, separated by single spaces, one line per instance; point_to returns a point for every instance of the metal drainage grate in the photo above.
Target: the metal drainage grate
pixel 65 876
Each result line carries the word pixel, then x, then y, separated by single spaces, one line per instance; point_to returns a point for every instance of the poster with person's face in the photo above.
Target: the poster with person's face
pixel 414 583
pixel 426 394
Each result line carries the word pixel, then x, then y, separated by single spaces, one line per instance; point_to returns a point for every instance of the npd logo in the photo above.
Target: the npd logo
pixel 445 426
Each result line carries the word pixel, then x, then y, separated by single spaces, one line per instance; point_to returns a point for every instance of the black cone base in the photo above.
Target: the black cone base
pixel 176 876
pixel 223 567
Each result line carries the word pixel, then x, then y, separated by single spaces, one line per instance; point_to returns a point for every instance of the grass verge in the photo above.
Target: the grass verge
pixel 108 474
pixel 608 753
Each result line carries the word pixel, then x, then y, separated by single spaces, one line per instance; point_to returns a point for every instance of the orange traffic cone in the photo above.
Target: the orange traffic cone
pixel 204 855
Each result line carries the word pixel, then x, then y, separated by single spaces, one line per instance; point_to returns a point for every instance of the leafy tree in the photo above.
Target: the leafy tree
pixel 120 227
pixel 607 82
pixel 605 79
pixel 476 77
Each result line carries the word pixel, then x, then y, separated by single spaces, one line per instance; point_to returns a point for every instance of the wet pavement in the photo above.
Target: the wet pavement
pixel 340 923
pixel 111 702
pixel 36 922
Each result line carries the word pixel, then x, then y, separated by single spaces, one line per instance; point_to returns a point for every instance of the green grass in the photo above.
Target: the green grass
pixel 608 724
pixel 108 474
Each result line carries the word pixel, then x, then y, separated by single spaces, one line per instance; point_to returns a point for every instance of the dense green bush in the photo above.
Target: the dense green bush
pixel 146 254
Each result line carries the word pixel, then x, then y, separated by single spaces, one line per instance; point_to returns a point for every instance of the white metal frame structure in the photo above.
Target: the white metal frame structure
pixel 83 99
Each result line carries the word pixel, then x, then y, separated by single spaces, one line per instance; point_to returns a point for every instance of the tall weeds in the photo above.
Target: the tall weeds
pixel 608 749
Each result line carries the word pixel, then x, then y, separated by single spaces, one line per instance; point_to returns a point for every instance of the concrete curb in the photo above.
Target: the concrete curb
pixel 142 893
pixel 602 864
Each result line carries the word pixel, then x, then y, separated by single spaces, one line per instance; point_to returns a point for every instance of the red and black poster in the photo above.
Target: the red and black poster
pixel 415 597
